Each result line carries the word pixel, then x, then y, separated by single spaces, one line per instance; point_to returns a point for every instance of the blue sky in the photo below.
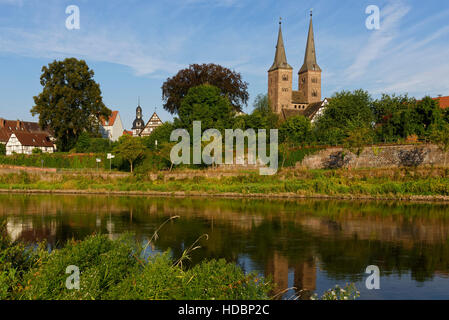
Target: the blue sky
pixel 134 45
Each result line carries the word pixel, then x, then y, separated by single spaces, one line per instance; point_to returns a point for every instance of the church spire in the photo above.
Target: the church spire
pixel 280 59
pixel 310 63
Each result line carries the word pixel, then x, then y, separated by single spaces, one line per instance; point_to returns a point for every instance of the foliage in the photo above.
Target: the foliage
pixel 161 134
pixel 2 149
pixel 440 136
pixel 55 160
pixel 116 270
pixel 297 129
pixel 229 82
pixel 385 183
pixel 70 101
pixel 262 116
pixel 130 149
pixel 346 110
pixel 205 103
pixel 348 292
pixel 88 144
pixel 394 117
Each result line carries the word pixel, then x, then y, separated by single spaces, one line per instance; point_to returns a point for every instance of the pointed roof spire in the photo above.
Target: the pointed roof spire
pixel 310 63
pixel 280 59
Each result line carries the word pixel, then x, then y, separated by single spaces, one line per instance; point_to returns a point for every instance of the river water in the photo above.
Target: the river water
pixel 304 246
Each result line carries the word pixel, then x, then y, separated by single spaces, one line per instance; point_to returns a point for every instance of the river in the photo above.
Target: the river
pixel 304 246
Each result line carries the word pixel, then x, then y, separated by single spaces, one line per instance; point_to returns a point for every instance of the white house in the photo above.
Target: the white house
pixel 25 143
pixel 112 128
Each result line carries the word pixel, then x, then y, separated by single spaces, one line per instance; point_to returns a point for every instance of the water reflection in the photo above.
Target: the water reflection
pixel 309 245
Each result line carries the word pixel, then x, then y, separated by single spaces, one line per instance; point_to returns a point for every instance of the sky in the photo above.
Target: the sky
pixel 133 46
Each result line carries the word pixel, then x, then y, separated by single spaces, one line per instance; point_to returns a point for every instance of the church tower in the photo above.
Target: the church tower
pixel 280 78
pixel 138 123
pixel 309 80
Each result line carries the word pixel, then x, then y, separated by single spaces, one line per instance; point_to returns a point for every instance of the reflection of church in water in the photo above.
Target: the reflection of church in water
pixel 304 275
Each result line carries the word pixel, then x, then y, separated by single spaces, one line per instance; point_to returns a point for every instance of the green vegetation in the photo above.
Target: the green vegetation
pixel 57 160
pixel 88 144
pixel 117 270
pixel 130 149
pixel 70 102
pixel 389 183
pixel 229 82
pixel 205 103
pixel 2 149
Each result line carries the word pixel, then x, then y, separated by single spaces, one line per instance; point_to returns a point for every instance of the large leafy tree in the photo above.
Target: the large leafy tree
pixel 297 130
pixel 161 134
pixel 205 103
pixel 130 149
pixel 229 82
pixel 346 111
pixel 70 102
pixel 395 117
pixel 262 116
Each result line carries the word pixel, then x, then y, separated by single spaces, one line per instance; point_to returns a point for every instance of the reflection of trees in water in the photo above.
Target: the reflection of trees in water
pixel 278 236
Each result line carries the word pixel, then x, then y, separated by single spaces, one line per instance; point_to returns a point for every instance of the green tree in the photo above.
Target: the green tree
pixel 161 134
pixel 395 117
pixel 2 149
pixel 357 139
pixel 262 116
pixel 440 136
pixel 345 111
pixel 296 129
pixel 70 102
pixel 205 103
pixel 130 149
pixel 428 114
pixel 229 82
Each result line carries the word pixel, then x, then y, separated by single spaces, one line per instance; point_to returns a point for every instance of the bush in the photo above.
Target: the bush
pixel 114 269
pixel 2 149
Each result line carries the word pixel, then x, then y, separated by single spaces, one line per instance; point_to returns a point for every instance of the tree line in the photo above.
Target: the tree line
pixel 71 105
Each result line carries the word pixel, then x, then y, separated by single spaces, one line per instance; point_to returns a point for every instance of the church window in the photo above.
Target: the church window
pixel 285 89
pixel 285 77
pixel 314 93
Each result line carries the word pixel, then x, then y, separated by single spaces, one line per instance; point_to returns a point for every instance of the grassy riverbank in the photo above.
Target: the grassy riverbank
pixel 115 270
pixel 376 183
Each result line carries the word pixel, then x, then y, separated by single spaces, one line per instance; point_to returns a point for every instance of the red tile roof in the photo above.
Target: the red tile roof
pixel 7 127
pixel 111 119
pixel 33 139
pixel 444 102
pixel 126 132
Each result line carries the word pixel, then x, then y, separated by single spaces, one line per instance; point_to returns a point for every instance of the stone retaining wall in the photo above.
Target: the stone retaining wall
pixel 377 157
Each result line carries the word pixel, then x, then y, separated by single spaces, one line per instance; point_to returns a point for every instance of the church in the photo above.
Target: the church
pixel 139 128
pixel 305 101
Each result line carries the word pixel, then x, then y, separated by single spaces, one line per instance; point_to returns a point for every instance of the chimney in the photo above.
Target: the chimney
pixel 2 123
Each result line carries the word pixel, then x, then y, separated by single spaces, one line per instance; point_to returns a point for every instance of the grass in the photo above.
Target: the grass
pixel 114 270
pixel 393 183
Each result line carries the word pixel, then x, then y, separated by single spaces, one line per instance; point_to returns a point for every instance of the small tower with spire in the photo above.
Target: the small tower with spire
pixel 309 76
pixel 138 123
pixel 280 78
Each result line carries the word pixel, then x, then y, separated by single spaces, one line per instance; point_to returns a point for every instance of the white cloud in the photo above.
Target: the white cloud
pixel 379 40
pixel 98 46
